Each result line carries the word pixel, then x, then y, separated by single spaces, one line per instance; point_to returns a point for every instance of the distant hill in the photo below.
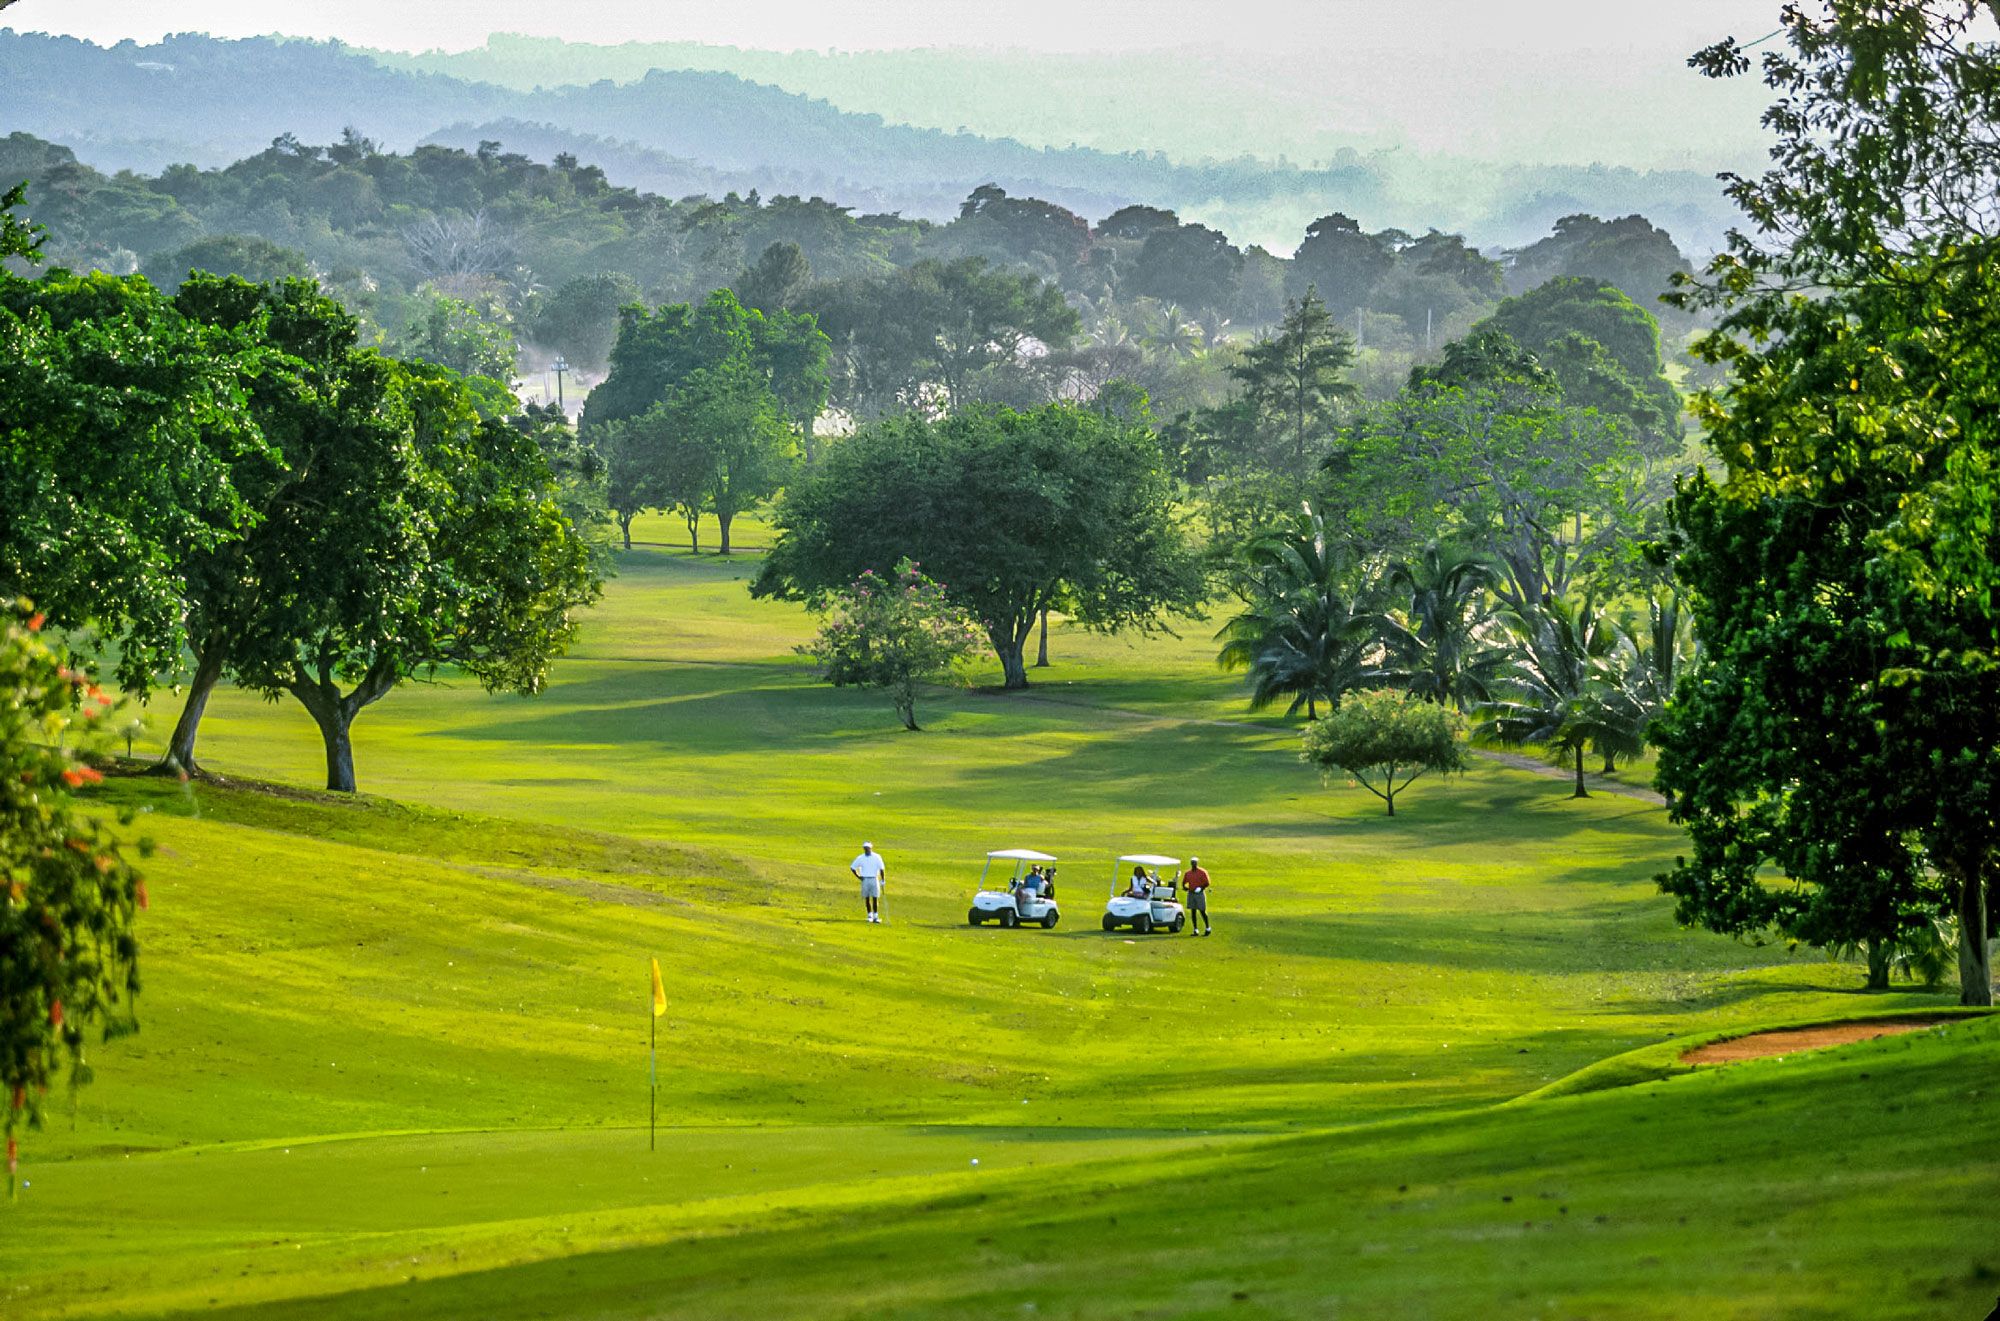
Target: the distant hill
pixel 1382 87
pixel 208 102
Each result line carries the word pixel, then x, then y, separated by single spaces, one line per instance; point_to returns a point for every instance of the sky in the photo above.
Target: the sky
pixel 1291 28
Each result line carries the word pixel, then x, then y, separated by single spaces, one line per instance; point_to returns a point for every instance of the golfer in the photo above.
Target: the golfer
pixel 1195 881
pixel 869 869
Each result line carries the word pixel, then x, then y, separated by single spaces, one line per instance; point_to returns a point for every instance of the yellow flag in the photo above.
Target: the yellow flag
pixel 659 991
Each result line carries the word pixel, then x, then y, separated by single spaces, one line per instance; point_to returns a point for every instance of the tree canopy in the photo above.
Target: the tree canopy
pixel 1009 511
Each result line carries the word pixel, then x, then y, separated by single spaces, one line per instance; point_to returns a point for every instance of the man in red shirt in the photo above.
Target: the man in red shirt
pixel 1195 881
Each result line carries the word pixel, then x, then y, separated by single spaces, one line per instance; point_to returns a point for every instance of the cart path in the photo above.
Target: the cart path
pixel 1519 761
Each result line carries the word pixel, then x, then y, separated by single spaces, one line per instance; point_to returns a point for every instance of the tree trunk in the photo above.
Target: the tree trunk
pixel 1610 764
pixel 1975 958
pixel 1042 652
pixel 1581 792
pixel 1878 965
pixel 335 733
pixel 1389 797
pixel 1008 648
pixel 625 526
pixel 724 521
pixel 180 748
pixel 1312 710
pixel 694 532
pixel 334 714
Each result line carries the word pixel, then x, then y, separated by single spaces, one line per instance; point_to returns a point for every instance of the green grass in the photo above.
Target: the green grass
pixel 403 1038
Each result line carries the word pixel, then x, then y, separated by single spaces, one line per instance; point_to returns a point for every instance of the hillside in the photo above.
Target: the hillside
pixel 194 99
pixel 394 1050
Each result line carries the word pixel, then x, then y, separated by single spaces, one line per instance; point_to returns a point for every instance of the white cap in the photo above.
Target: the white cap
pixel 866 845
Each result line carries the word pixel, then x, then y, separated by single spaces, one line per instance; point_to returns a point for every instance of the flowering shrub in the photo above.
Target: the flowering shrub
pixel 68 896
pixel 894 633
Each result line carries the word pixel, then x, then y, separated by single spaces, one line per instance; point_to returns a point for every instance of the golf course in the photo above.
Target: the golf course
pixel 393 1058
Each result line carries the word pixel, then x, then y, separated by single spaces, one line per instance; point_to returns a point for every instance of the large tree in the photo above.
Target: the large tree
pixel 1604 350
pixel 1009 511
pixel 122 431
pixel 1844 724
pixel 399 531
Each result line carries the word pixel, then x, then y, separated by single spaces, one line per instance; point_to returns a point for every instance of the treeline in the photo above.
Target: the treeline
pixel 542 256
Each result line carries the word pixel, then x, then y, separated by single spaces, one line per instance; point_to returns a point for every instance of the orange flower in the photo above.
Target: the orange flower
pixel 55 1013
pixel 78 776
pixel 36 620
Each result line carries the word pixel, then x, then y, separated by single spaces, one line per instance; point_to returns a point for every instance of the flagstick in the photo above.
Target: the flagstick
pixel 653 1079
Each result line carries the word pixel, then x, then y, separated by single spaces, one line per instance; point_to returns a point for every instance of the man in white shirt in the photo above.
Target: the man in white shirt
pixel 869 869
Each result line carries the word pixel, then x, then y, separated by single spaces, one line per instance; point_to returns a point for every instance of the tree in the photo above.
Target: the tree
pixel 580 319
pixel 443 547
pixel 450 332
pixel 1136 223
pixel 1547 491
pixel 1010 510
pixel 1292 383
pixel 1380 735
pixel 1339 262
pixel 1630 252
pixel 895 633
pixel 725 445
pixel 1446 644
pixel 1561 320
pixel 121 432
pixel 1191 265
pixel 400 532
pixel 69 956
pixel 777 281
pixel 1842 723
pixel 1311 628
pixel 1545 687
pixel 695 412
pixel 1633 679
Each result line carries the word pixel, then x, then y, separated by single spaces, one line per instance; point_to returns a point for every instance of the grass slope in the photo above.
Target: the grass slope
pixel 394 1048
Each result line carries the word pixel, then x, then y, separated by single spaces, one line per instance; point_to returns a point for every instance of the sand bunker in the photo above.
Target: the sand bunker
pixel 1760 1045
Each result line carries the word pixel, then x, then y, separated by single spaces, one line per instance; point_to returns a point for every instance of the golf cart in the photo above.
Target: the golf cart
pixel 1019 900
pixel 1160 907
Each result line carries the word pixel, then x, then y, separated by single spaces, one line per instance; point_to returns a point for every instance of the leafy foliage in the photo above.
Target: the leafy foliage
pixel 69 895
pixel 1379 735
pixel 895 633
pixel 1842 725
pixel 1312 626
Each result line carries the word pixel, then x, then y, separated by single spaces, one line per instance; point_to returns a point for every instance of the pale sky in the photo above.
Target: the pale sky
pixel 1461 27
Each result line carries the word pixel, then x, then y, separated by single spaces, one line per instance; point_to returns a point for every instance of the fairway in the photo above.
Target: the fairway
pixel 393 1059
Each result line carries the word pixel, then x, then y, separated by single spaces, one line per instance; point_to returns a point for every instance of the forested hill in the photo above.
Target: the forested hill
pixel 198 100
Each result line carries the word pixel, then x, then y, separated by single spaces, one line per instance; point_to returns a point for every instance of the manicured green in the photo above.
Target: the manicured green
pixel 403 1037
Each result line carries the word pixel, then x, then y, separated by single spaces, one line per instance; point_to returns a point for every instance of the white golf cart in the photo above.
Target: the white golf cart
pixel 1022 899
pixel 1158 909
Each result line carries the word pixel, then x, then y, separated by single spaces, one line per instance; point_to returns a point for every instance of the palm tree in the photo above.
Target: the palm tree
pixel 1547 685
pixel 1632 679
pixel 1312 629
pixel 1447 645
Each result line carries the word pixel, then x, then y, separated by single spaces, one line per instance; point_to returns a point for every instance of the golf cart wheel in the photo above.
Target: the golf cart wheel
pixel 1143 924
pixel 1178 923
pixel 1110 922
pixel 1049 921
pixel 973 917
pixel 1010 919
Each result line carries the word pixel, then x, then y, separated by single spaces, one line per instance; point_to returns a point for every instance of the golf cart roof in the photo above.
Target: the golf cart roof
pixel 1150 859
pixel 1025 855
